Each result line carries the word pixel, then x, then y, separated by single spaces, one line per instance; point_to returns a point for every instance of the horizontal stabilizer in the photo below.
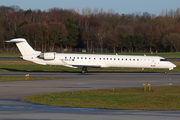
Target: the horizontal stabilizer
pixel 17 40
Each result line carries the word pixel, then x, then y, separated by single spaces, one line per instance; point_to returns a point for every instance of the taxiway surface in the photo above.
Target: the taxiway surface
pixel 12 93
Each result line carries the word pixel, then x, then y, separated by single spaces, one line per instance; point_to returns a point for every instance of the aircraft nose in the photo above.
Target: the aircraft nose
pixel 172 66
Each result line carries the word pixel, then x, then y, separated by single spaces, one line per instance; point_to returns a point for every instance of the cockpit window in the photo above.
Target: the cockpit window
pixel 163 60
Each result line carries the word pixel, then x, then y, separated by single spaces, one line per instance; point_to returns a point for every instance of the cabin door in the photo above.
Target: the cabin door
pixel 153 63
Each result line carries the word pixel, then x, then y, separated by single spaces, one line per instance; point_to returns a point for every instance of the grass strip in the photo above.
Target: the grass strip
pixel 159 98
pixel 13 78
pixel 10 54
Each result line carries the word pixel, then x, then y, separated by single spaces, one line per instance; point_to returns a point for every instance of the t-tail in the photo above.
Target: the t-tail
pixel 26 50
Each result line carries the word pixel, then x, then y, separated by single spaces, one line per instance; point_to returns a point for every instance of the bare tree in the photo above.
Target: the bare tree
pixel 125 30
pixel 95 11
pixel 113 40
pixel 46 31
pixel 57 34
pixel 15 8
pixel 100 34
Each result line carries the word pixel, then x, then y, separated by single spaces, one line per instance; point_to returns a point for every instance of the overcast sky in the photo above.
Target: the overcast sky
pixel 119 6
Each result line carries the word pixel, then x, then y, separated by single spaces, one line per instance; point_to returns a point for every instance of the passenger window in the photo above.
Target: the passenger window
pixel 103 58
pixel 65 57
pixel 118 59
pixel 137 59
pixel 129 59
pixel 126 59
pixel 107 58
pixel 110 58
pixel 77 57
pixel 85 57
pixel 73 57
pixel 114 58
pixel 94 58
pixel 133 59
pixel 122 59
pixel 89 58
pixel 81 57
pixel 99 58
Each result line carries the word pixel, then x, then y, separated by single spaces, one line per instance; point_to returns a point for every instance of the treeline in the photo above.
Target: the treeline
pixel 68 28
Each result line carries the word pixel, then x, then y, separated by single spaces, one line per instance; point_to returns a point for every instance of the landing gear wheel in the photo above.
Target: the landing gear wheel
pixel 165 71
pixel 84 70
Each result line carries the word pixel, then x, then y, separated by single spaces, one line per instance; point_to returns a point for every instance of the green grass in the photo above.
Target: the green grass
pixel 26 66
pixel 159 98
pixel 165 54
pixel 12 78
pixel 10 54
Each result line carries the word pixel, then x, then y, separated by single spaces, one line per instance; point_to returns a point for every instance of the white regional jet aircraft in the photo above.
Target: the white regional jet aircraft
pixel 85 61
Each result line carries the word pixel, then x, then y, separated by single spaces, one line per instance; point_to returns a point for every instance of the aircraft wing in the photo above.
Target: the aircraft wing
pixel 79 65
pixel 87 66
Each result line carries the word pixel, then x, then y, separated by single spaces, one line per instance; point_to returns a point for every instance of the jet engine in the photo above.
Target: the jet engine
pixel 47 56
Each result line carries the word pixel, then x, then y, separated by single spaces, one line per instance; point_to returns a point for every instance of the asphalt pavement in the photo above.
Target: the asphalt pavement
pixel 13 107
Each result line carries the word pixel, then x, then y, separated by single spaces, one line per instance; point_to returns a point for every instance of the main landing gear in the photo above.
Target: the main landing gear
pixel 84 70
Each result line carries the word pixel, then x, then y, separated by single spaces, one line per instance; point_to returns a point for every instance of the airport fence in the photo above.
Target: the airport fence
pixel 73 50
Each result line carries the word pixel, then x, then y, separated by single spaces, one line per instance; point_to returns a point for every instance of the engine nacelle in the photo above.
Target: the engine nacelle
pixel 47 56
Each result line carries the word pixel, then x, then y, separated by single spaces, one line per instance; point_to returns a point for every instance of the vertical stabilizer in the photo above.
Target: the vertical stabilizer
pixel 23 46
